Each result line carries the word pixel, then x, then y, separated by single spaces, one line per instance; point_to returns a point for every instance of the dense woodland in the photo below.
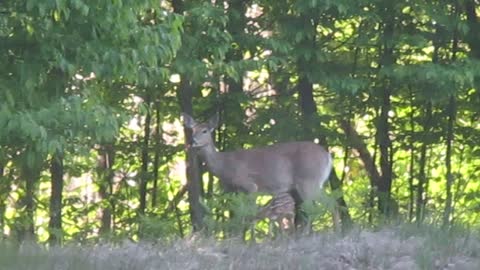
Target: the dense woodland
pixel 91 91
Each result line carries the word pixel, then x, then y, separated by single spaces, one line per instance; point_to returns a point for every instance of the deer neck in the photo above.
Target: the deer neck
pixel 212 158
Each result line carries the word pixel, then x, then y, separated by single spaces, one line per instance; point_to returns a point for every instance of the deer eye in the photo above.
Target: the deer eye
pixel 204 131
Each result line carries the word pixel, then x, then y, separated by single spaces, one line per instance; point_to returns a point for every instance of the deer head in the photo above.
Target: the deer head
pixel 201 133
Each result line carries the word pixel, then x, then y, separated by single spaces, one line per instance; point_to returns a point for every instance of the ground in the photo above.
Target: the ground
pixel 393 248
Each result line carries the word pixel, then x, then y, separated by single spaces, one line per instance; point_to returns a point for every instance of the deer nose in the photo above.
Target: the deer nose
pixel 194 141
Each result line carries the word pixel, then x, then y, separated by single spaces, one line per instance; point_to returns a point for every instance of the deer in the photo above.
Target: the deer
pixel 297 168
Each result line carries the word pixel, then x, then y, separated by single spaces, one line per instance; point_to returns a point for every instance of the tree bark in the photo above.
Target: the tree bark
pixel 448 161
pixel 26 228
pixel 422 176
pixel 385 185
pixel 105 173
pixel 30 208
pixel 232 113
pixel 144 175
pixel 174 202
pixel 55 223
pixel 411 191
pixel 385 202
pixel 452 113
pixel 156 158
pixel 473 38
pixel 194 180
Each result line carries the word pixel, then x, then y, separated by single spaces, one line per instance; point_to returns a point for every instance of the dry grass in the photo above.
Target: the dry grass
pixel 398 248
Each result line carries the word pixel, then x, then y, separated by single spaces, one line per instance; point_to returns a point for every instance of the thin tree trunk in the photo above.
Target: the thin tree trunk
pixel 194 180
pixel 422 177
pixel 385 202
pixel 144 175
pixel 194 190
pixel 30 208
pixel 473 38
pixel 411 191
pixel 156 158
pixel 55 223
pixel 105 173
pixel 345 218
pixel 460 186
pixel 174 202
pixel 178 213
pixel 231 108
pixel 211 180
pixel 26 230
pixel 448 161
pixel 345 163
pixel 451 112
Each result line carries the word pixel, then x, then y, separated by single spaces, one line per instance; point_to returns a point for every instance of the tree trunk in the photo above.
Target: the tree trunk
pixel 411 188
pixel 194 180
pixel 105 173
pixel 452 113
pixel 55 223
pixel 156 158
pixel 385 184
pixel 422 177
pixel 231 110
pixel 173 207
pixel 385 202
pixel 144 175
pixel 448 161
pixel 194 190
pixel 473 38
pixel 26 228
pixel 345 218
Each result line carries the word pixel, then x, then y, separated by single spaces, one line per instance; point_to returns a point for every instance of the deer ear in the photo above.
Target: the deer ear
pixel 188 121
pixel 213 122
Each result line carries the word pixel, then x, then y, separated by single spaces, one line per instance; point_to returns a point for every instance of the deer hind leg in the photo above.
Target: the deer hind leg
pixel 300 217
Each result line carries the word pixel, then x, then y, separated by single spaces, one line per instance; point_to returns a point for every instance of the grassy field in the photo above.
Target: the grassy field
pixel 393 248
